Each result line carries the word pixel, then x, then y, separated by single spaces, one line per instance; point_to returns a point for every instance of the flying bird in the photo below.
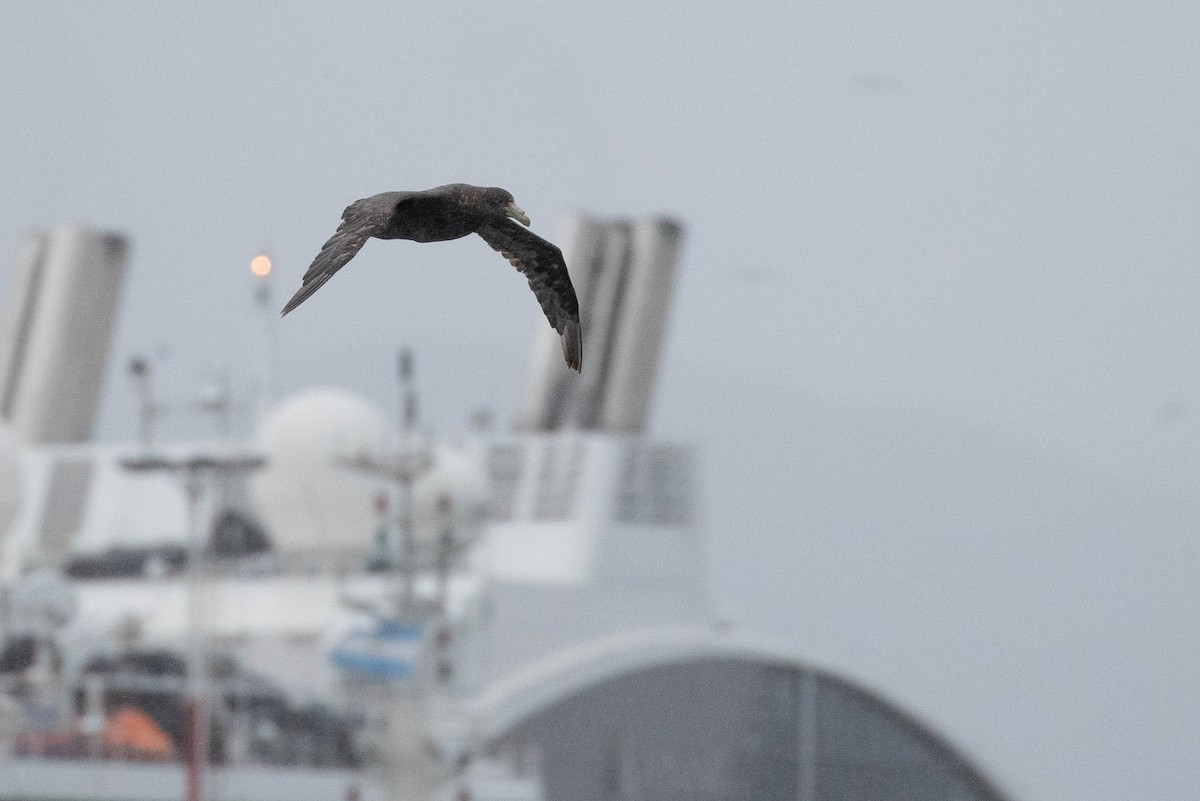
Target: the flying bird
pixel 452 212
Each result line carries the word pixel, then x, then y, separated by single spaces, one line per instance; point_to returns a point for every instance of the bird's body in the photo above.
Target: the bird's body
pixel 452 212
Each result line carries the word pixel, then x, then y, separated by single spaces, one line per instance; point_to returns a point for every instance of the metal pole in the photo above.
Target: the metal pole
pixel 261 267
pixel 445 549
pixel 197 708
pixel 407 544
pixel 408 395
pixel 197 471
pixel 807 712
pixel 139 369
pixel 408 422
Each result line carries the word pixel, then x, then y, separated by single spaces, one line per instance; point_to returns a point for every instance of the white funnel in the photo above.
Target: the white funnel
pixel 55 338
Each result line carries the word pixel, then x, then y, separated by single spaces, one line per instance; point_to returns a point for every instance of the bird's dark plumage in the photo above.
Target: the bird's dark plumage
pixel 450 212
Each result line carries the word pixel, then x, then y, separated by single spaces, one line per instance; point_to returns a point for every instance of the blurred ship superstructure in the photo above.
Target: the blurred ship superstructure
pixel 506 615
pixel 57 328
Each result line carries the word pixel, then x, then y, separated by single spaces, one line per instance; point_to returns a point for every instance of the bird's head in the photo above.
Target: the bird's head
pixel 502 201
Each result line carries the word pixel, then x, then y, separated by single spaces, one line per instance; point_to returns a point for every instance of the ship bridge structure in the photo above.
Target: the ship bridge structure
pixel 518 614
pixel 607 676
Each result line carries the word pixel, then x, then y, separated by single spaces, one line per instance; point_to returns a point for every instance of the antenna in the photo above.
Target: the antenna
pixel 198 472
pixel 261 265
pixel 408 392
pixel 408 422
pixel 139 371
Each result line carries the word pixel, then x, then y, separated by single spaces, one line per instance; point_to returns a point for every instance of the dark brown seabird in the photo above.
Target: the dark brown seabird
pixel 451 212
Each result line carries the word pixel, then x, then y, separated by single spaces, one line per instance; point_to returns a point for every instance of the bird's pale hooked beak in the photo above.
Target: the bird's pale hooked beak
pixel 512 211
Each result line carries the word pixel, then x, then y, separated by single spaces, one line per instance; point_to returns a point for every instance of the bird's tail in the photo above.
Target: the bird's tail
pixel 572 345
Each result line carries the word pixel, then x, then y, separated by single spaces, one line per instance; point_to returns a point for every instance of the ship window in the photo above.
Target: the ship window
pixel 732 728
pixel 504 463
pixel 558 479
pixel 655 485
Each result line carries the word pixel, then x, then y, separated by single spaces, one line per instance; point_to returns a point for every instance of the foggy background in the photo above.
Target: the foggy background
pixel 935 332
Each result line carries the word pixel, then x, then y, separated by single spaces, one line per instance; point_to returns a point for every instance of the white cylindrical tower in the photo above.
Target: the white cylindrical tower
pixel 624 275
pixel 56 349
pixel 637 344
pixel 18 315
pixel 10 482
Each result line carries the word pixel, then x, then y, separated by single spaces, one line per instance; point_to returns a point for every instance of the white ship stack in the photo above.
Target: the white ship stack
pixel 60 312
pixel 513 615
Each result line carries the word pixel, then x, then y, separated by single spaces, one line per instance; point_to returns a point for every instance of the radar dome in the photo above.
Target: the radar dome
pixel 309 501
pixel 10 480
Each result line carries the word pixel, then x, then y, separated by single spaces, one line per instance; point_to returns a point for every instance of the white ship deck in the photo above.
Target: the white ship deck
pixel 34 779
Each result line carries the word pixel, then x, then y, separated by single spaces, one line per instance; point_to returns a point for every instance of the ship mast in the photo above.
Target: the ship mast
pixel 199 473
pixel 265 391
pixel 406 478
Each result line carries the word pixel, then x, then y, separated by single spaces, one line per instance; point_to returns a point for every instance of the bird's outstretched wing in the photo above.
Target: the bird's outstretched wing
pixel 542 263
pixel 358 224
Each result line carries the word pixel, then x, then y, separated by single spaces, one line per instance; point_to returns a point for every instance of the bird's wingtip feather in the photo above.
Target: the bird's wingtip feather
pixel 572 345
pixel 301 295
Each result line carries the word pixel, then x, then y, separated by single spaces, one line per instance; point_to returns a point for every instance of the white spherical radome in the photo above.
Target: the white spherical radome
pixel 306 499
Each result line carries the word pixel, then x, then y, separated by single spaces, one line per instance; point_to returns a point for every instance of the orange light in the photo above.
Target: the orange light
pixel 261 265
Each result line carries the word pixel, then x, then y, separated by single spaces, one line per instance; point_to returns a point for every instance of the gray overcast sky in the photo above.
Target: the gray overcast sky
pixel 935 332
